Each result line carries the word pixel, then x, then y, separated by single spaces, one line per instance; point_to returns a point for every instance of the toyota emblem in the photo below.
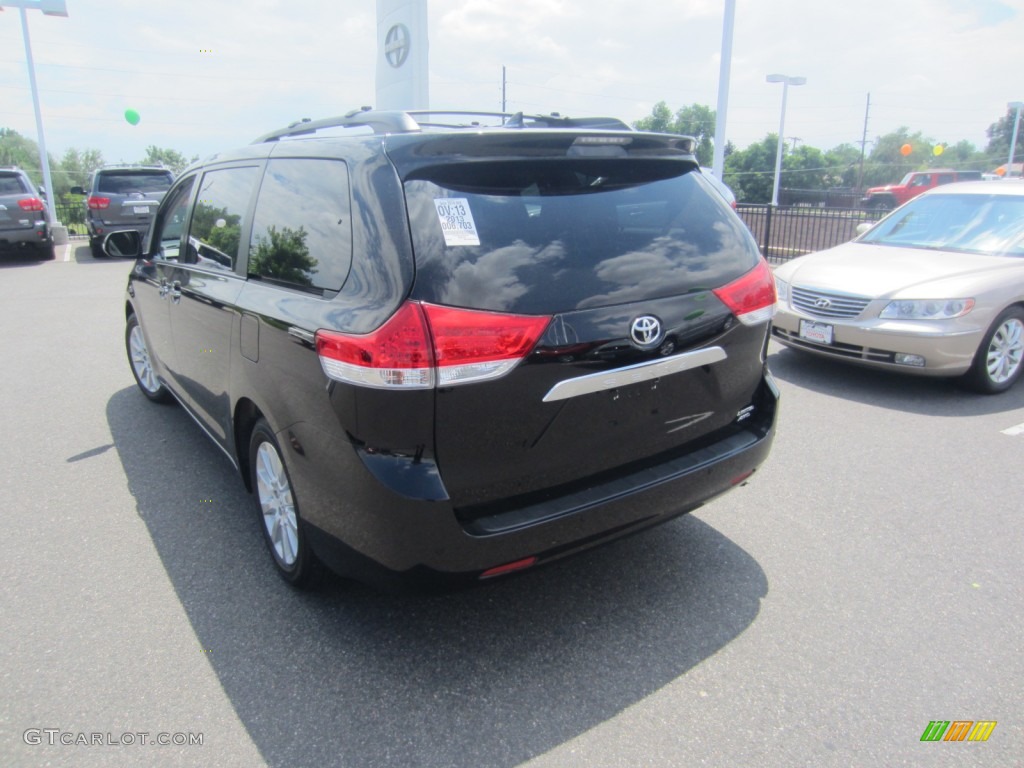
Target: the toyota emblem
pixel 645 331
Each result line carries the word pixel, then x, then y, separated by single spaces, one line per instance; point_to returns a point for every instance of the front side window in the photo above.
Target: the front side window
pixel 170 222
pixel 302 228
pixel 215 234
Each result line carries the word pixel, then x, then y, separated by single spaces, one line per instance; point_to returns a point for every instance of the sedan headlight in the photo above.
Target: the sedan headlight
pixel 927 309
pixel 781 290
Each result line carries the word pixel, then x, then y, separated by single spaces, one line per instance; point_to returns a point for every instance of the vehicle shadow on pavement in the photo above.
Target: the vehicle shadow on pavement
pixel 887 389
pixel 490 676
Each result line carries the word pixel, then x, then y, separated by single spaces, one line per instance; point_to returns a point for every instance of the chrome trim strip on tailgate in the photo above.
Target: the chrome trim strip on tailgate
pixel 634 374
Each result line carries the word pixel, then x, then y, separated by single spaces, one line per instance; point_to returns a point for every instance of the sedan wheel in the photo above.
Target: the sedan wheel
pixel 142 363
pixel 278 510
pixel 997 363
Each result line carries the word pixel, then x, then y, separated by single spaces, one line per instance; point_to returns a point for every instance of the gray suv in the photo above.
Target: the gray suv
pixel 122 197
pixel 23 227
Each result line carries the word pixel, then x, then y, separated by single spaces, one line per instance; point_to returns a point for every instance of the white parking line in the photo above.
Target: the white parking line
pixel 1012 431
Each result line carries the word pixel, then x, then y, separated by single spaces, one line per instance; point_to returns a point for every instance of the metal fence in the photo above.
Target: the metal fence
pixel 785 233
pixel 71 215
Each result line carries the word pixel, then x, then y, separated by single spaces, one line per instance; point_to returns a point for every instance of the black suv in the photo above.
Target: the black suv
pixel 121 198
pixel 23 227
pixel 445 349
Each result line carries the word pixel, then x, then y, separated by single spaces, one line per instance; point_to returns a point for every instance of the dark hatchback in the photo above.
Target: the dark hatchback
pixel 442 350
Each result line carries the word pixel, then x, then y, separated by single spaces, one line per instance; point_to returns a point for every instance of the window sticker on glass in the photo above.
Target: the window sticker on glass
pixel 457 221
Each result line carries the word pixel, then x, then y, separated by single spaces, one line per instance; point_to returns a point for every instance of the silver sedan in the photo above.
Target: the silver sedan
pixel 935 288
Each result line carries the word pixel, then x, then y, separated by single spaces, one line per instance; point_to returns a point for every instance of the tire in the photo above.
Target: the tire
pixel 278 511
pixel 142 364
pixel 1000 357
pixel 44 252
pixel 882 204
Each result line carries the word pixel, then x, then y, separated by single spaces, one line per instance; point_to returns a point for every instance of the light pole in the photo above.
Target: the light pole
pixel 786 82
pixel 1017 105
pixel 49 8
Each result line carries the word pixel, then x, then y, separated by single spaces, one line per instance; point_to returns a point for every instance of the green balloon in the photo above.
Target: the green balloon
pixel 132 116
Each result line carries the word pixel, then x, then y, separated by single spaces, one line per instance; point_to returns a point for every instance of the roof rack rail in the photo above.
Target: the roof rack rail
pixel 412 121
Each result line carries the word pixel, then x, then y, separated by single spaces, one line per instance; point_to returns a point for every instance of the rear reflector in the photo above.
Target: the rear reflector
pixel 426 345
pixel 751 297
pixel 98 203
pixel 518 565
pixel 31 204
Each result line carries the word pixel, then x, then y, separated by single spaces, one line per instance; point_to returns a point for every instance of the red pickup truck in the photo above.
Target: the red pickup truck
pixel 913 184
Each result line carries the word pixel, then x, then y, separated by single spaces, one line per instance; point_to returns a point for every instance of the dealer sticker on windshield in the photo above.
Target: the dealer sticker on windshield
pixel 457 221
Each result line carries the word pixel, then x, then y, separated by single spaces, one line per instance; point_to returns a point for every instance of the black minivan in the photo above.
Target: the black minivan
pixel 441 347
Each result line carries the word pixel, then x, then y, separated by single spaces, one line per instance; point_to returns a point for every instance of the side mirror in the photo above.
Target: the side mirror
pixel 77 191
pixel 123 245
pixel 863 227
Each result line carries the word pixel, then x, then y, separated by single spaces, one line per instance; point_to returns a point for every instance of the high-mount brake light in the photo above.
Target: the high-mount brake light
pixel 31 204
pixel 426 345
pixel 751 297
pixel 97 203
pixel 592 140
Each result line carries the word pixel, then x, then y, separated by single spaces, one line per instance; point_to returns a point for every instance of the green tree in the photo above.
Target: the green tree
pixel 843 166
pixel 75 169
pixel 887 164
pixel 695 120
pixel 283 255
pixel 169 157
pixel 21 151
pixel 999 134
pixel 750 171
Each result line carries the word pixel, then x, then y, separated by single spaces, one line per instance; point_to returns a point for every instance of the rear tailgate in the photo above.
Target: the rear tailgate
pixel 133 195
pixel 640 360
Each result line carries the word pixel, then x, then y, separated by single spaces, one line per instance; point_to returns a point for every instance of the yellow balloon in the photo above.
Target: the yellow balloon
pixel 939 149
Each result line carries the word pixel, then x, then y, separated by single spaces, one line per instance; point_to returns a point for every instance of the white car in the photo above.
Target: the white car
pixel 936 288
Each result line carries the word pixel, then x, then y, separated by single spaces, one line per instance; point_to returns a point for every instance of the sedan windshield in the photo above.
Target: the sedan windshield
pixel 985 224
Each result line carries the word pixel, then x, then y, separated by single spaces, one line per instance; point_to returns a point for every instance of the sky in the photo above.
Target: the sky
pixel 209 75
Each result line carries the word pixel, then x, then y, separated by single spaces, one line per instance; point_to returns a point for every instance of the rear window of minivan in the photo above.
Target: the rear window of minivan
pixel 558 235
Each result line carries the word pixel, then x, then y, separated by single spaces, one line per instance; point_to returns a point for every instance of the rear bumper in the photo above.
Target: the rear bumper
pixel 36 235
pixel 365 530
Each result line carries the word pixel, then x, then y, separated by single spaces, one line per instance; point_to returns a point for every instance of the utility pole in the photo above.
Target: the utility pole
pixel 863 144
pixel 794 139
pixel 503 88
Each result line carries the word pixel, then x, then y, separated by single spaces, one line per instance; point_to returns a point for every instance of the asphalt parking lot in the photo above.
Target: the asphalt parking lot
pixel 866 582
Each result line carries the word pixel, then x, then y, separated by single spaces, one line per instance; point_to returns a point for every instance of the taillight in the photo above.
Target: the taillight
pixel 31 204
pixel 472 346
pixel 98 203
pixel 751 297
pixel 426 345
pixel 396 355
